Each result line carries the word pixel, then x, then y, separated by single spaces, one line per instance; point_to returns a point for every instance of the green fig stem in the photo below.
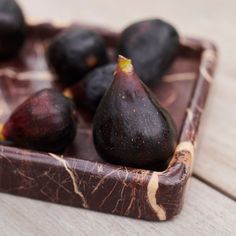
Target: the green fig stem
pixel 125 64
pixel 2 138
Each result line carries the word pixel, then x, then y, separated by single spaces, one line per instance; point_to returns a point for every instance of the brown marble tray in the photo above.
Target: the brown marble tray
pixel 80 178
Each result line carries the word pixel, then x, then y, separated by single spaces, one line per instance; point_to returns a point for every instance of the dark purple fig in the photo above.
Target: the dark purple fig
pixel 90 90
pixel 130 126
pixel 12 28
pixel 74 53
pixel 152 45
pixel 46 122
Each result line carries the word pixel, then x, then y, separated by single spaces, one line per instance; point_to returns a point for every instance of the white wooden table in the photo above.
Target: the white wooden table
pixel 210 207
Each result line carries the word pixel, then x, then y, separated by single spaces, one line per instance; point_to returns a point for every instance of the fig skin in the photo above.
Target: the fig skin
pixel 45 122
pixel 130 126
pixel 152 45
pixel 12 28
pixel 89 92
pixel 75 52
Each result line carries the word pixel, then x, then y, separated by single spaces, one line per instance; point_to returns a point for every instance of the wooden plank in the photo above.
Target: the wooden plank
pixel 206 212
pixel 216 161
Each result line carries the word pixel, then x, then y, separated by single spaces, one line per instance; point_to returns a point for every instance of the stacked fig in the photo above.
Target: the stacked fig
pixel 79 58
pixel 130 127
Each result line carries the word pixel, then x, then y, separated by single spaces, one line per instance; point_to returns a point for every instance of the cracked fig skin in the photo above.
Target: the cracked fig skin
pixel 46 121
pixel 130 126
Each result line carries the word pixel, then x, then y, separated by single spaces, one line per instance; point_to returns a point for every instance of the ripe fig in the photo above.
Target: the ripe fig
pixel 74 53
pixel 152 45
pixel 12 28
pixel 90 91
pixel 130 126
pixel 46 122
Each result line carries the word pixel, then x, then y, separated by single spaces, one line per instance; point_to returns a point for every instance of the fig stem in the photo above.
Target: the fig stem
pixel 67 93
pixel 125 64
pixel 2 138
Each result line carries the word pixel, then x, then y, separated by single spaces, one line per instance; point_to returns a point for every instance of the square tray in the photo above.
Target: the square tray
pixel 81 178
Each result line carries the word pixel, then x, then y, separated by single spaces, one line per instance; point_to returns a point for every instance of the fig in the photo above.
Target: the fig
pixel 130 126
pixel 12 28
pixel 74 53
pixel 152 45
pixel 89 92
pixel 46 121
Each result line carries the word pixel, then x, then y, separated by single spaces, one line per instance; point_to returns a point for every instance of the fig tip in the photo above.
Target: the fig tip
pixel 125 64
